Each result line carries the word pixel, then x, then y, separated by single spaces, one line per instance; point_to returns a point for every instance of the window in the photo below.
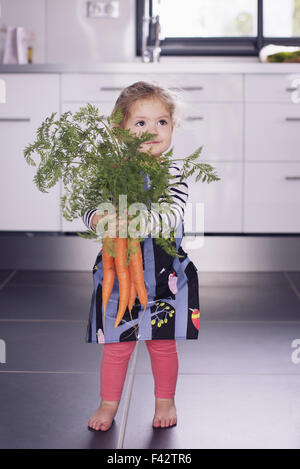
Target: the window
pixel 218 27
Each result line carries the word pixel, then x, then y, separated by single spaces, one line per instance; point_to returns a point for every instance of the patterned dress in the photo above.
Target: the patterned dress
pixel 173 310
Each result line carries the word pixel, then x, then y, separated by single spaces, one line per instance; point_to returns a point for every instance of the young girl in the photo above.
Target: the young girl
pixel 172 283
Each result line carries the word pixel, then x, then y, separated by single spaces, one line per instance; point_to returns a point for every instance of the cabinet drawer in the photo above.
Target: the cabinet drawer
pixel 95 87
pixel 272 132
pixel 284 88
pixel 24 92
pixel 205 87
pixel 216 126
pixel 272 197
pixel 221 201
pixel 192 87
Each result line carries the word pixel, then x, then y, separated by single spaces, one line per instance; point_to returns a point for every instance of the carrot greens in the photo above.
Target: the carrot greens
pixel 98 161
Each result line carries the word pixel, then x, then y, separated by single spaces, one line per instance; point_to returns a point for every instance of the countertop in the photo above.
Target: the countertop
pixel 164 66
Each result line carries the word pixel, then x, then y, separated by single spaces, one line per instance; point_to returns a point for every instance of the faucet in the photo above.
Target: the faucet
pixel 151 51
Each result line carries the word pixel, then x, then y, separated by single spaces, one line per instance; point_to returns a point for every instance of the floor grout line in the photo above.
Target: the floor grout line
pixel 42 320
pixel 292 284
pixel 127 399
pixel 205 321
pixel 51 372
pixel 131 375
pixel 8 279
pixel 225 374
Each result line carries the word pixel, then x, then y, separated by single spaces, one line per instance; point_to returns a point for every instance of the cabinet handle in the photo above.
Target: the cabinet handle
pixel 110 88
pixel 15 119
pixel 120 88
pixel 292 118
pixel 194 118
pixel 292 88
pixel 188 88
pixel 292 178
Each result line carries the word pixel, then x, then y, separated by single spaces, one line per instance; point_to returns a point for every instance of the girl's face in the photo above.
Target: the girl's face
pixel 151 115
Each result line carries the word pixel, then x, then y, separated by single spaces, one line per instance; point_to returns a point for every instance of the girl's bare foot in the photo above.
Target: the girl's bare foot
pixel 165 413
pixel 104 415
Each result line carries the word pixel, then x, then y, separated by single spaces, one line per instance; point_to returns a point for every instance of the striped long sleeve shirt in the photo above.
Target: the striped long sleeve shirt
pixel 158 220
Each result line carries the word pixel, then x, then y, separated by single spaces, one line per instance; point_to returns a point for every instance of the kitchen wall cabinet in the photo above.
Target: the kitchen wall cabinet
pixel 29 99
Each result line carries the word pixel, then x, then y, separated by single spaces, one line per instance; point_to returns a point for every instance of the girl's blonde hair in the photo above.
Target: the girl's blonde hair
pixel 147 90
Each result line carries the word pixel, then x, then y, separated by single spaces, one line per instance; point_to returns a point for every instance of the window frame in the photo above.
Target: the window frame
pixel 216 46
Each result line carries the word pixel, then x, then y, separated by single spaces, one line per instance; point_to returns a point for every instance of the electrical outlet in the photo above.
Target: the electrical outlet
pixel 103 9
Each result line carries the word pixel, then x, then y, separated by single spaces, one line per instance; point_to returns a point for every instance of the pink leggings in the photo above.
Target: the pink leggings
pixel 115 360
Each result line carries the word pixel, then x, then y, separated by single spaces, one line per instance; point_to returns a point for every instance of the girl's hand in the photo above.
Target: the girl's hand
pixel 120 222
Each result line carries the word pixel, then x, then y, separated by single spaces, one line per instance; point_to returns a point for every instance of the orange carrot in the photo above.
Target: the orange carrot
pixel 136 271
pixel 109 273
pixel 123 277
pixel 132 293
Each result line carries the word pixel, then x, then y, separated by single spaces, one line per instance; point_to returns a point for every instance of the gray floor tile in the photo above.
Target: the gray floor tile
pixel 4 274
pixel 241 279
pixel 52 411
pixel 45 301
pixel 295 278
pixel 235 348
pixel 238 385
pixel 42 277
pixel 264 303
pixel 49 346
pixel 220 411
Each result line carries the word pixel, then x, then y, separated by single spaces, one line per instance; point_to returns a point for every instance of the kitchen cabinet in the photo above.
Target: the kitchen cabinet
pixel 247 123
pixel 192 87
pixel 216 126
pixel 272 132
pixel 29 100
pixel 272 197
pixel 272 156
pixel 219 204
pixel 279 88
pixel 212 117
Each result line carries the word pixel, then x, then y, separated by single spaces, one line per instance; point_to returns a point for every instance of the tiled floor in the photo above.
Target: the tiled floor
pixel 238 384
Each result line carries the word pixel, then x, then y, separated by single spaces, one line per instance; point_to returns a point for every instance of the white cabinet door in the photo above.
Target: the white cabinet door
pixel 219 201
pixel 272 132
pixel 30 99
pixel 97 87
pixel 277 88
pixel 272 197
pixel 216 126
pixel 191 86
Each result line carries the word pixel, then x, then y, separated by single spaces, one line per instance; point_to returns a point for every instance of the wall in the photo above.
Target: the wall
pixel 64 34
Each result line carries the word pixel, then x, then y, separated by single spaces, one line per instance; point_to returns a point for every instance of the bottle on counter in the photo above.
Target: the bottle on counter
pixel 30 54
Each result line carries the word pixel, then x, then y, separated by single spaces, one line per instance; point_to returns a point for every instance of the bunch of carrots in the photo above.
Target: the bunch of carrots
pixel 130 277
